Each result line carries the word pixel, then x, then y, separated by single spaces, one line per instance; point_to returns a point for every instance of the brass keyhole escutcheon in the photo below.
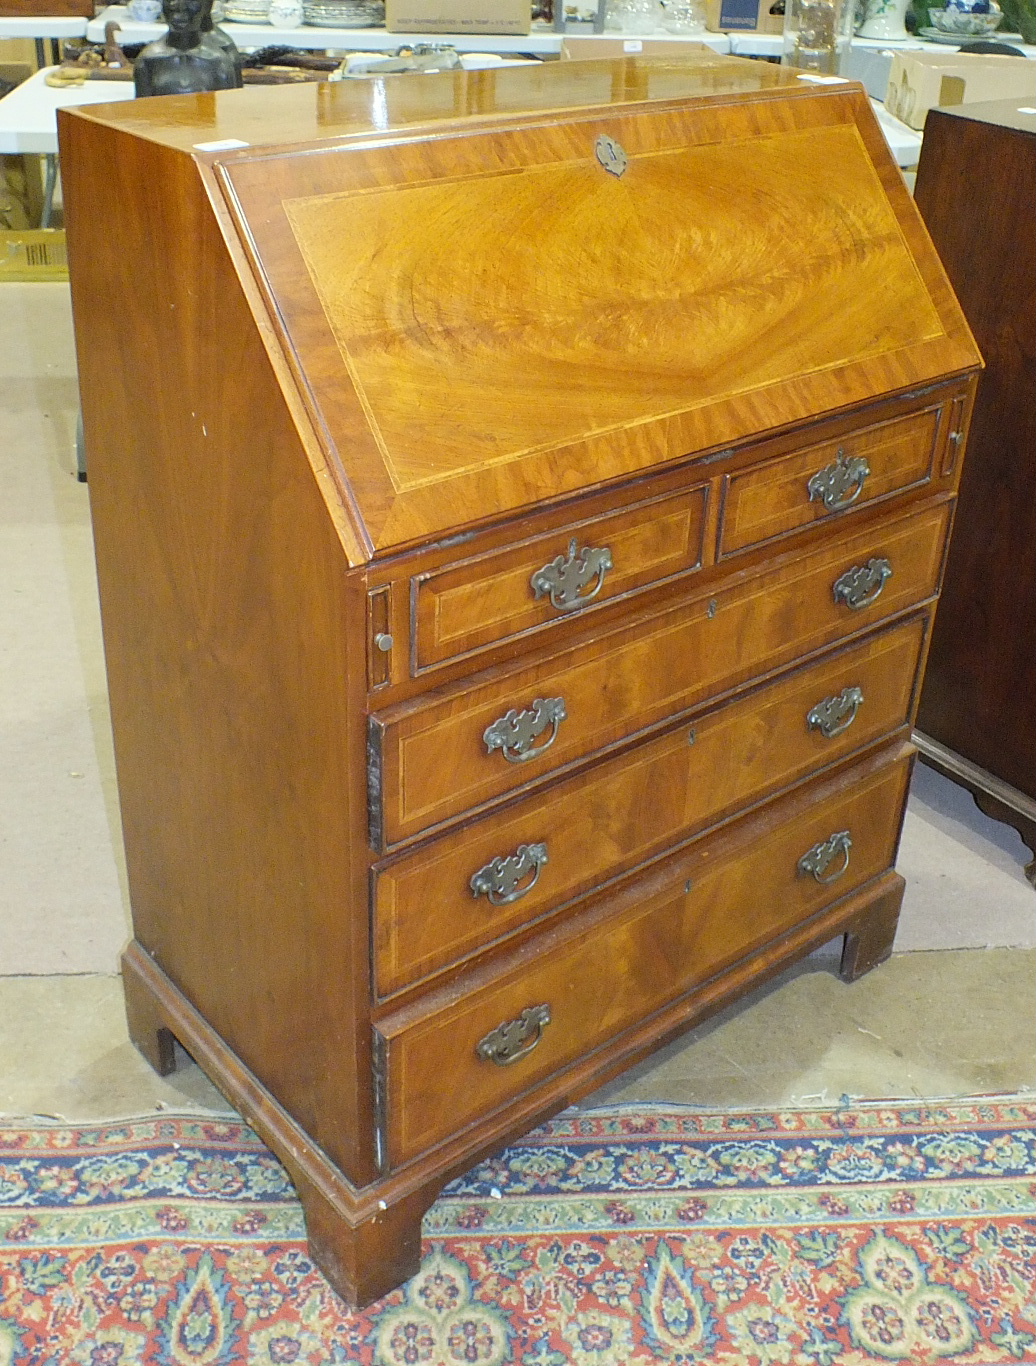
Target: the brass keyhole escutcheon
pixel 610 155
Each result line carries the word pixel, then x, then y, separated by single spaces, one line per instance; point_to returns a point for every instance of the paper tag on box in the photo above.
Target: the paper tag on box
pixel 223 145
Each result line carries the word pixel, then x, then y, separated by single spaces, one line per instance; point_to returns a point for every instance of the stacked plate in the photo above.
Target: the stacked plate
pixel 935 35
pixel 344 13
pixel 248 11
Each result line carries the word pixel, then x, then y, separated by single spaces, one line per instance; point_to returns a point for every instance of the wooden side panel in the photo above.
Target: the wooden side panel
pixel 234 640
pixel 979 696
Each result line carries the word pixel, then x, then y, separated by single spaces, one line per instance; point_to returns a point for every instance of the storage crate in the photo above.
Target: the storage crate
pixel 33 254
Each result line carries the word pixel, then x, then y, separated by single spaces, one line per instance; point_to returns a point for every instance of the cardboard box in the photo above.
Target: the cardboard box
pixel 742 16
pixel 458 16
pixel 623 45
pixel 51 9
pixel 33 254
pixel 919 81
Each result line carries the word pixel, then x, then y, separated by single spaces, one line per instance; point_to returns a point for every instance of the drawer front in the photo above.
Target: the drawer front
pixel 474 886
pixel 707 909
pixel 554 577
pixel 432 760
pixel 807 486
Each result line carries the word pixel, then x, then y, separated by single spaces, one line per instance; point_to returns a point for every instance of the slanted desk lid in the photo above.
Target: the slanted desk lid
pixel 489 315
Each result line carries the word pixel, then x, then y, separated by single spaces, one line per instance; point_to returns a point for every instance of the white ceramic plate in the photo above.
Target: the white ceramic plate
pixel 936 35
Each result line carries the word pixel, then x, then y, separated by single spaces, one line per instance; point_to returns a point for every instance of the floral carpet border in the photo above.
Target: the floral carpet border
pixel 833 1236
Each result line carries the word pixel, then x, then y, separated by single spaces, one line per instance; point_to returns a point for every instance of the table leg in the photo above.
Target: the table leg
pixel 48 189
pixel 80 449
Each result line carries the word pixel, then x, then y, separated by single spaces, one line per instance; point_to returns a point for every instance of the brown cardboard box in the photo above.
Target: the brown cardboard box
pixel 742 16
pixel 625 45
pixel 458 16
pixel 59 9
pixel 918 81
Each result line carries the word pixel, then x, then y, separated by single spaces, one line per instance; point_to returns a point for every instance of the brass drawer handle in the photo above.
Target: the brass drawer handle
pixel 817 860
pixel 565 578
pixel 840 484
pixel 514 1039
pixel 860 586
pixel 499 879
pixel 835 714
pixel 515 731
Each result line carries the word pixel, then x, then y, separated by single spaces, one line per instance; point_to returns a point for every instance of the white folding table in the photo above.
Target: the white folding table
pixel 40 28
pixel 28 120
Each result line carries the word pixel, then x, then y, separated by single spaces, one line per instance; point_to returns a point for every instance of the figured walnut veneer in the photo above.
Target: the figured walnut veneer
pixel 357 384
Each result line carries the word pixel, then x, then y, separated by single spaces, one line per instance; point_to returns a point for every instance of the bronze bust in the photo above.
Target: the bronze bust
pixel 189 57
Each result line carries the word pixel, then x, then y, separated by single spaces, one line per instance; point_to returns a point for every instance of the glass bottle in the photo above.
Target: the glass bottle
pixel 817 34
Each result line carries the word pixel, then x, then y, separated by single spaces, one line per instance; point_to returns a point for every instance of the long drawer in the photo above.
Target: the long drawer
pixel 474 886
pixel 432 759
pixel 702 911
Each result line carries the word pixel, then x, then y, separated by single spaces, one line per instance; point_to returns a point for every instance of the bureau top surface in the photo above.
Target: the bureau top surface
pixel 495 288
pixel 1017 114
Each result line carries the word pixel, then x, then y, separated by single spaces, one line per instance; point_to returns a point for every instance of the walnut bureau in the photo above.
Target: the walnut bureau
pixel 520 502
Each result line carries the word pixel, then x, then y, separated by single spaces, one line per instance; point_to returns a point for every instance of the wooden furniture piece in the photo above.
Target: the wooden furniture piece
pixel 978 706
pixel 41 12
pixel 520 499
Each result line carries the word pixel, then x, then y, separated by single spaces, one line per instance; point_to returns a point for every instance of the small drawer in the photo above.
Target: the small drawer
pixel 768 500
pixel 710 906
pixel 473 887
pixel 555 577
pixel 433 758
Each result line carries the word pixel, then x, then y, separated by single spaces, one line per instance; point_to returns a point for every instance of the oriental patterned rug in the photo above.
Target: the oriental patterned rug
pixel 836 1237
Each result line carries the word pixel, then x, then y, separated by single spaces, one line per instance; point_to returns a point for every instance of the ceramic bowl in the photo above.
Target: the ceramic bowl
pixel 964 22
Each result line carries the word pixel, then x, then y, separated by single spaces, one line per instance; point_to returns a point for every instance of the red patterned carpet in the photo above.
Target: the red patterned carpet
pixel 870 1233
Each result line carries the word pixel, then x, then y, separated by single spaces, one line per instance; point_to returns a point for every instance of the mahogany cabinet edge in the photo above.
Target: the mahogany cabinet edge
pixel 993 796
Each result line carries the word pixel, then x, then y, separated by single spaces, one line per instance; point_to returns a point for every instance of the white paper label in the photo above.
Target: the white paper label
pixel 824 80
pixel 227 145
pixel 633 45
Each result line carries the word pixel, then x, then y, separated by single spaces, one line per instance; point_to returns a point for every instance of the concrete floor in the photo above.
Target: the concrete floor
pixel 952 1013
